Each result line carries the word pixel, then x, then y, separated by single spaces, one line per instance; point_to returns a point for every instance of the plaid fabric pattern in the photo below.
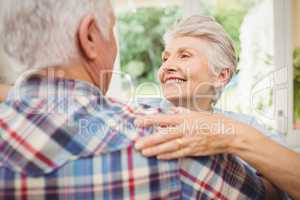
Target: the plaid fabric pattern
pixel 62 139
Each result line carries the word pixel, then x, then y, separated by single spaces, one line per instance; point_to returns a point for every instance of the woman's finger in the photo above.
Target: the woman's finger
pixel 155 139
pixel 168 147
pixel 166 120
pixel 176 154
pixel 180 110
pixel 158 120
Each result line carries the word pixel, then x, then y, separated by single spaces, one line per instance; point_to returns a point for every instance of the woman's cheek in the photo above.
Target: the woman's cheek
pixel 159 75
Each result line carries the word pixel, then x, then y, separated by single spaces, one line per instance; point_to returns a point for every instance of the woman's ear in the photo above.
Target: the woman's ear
pixel 223 77
pixel 87 37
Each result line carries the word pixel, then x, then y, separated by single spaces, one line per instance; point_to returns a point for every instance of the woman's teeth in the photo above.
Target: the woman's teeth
pixel 177 81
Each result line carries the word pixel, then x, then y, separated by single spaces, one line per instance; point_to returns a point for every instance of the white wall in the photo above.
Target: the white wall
pixel 296 22
pixel 294 135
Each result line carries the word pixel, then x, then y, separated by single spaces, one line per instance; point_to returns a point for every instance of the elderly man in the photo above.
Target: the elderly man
pixel 61 138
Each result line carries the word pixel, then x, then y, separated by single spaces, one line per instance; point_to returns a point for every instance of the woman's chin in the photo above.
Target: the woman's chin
pixel 175 99
pixel 171 95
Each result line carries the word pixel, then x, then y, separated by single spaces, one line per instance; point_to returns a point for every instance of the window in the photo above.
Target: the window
pixel 261 33
pixel 141 25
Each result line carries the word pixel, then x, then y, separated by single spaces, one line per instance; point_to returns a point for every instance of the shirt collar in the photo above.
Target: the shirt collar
pixel 39 87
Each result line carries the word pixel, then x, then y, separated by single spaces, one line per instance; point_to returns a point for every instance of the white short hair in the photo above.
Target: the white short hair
pixel 222 53
pixel 42 33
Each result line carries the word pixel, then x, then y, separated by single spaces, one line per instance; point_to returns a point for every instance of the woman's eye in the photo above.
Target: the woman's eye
pixel 184 56
pixel 164 59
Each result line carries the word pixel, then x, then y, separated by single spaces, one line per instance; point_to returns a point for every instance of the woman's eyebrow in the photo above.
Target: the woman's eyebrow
pixel 182 49
pixel 164 53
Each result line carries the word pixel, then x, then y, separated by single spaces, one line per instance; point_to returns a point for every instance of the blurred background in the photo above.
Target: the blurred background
pixel 142 23
pixel 266 34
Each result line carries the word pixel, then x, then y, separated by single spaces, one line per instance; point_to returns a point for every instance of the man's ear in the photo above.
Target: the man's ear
pixel 223 77
pixel 88 37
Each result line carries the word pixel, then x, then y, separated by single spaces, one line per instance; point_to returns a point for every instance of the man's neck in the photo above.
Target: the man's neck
pixel 73 72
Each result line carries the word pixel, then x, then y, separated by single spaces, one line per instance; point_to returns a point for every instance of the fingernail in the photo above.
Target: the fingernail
pixel 138 145
pixel 146 152
pixel 136 138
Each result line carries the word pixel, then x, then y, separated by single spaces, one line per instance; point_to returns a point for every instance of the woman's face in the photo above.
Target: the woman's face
pixel 185 77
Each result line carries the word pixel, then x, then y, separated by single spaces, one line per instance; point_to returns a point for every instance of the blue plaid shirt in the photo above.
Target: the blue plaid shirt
pixel 62 139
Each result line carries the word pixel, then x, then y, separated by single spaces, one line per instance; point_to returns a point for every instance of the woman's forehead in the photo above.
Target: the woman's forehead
pixel 184 43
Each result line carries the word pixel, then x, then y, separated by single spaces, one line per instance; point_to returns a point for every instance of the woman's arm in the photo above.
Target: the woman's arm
pixel 3 92
pixel 278 164
pixel 195 134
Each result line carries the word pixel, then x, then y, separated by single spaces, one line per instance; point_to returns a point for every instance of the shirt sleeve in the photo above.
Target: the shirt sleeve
pixel 37 139
pixel 40 138
pixel 219 177
pixel 24 145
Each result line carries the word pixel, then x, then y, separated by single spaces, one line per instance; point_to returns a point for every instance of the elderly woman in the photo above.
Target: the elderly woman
pixel 198 61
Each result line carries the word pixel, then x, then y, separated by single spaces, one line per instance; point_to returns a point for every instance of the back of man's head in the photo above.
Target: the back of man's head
pixel 43 33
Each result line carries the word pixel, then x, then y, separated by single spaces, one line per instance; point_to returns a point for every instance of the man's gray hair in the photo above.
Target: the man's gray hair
pixel 42 33
pixel 222 53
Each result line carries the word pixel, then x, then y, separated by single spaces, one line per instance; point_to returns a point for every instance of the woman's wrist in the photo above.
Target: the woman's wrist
pixel 270 159
pixel 245 139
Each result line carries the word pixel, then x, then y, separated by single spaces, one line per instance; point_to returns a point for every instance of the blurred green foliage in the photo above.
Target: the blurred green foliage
pixel 231 21
pixel 296 64
pixel 141 36
pixel 141 39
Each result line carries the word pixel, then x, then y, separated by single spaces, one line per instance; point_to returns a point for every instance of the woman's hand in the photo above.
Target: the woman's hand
pixel 3 92
pixel 201 134
pixel 191 134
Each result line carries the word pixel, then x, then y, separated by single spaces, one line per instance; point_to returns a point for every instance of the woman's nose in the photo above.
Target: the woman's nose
pixel 170 68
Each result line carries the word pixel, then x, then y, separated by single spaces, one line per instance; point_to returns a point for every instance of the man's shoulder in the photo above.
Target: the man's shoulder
pixel 152 104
